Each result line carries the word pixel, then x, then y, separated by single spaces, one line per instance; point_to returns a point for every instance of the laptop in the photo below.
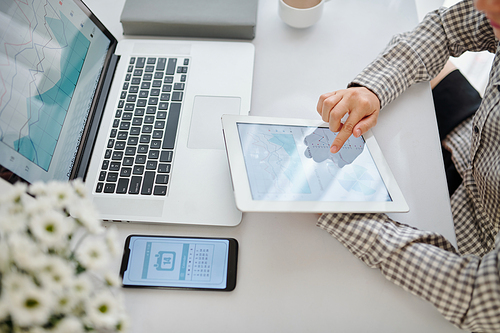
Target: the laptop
pixel 138 121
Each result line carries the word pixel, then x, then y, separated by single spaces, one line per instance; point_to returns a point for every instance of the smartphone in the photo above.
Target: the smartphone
pixel 180 262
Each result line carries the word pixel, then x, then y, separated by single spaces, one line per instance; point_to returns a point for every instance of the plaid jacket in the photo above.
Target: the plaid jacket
pixel 464 285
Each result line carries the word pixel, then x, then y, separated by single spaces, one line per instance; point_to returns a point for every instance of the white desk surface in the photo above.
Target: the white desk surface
pixel 292 276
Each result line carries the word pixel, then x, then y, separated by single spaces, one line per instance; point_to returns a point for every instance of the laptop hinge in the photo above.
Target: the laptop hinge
pixel 83 158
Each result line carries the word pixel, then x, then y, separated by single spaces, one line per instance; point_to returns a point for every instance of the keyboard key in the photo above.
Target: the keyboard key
pixel 160 190
pixel 114 166
pixel 160 65
pixel 125 125
pixel 122 185
pixel 140 159
pixel 105 165
pixel 122 135
pixel 178 86
pixel 130 151
pixel 155 144
pixel 125 172
pixel 172 123
pixel 117 156
pixel 138 170
pixel 128 161
pixel 161 179
pixel 99 187
pixel 172 63
pixel 151 165
pixel 109 188
pixel 157 134
pixel 112 177
pixel 177 96
pixel 164 168
pixel 135 185
pixel 154 154
pixel 135 131
pixel 147 184
pixel 141 61
pixel 166 156
pixel 120 145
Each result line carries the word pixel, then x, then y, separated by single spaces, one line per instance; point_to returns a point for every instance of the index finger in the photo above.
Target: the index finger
pixel 345 132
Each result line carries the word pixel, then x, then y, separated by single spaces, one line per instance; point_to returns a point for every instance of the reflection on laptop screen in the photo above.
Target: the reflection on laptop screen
pixel 51 58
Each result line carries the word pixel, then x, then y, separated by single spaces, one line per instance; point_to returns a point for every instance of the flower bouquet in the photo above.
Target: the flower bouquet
pixel 54 256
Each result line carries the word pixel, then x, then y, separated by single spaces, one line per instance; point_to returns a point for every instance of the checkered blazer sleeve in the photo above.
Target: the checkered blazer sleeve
pixel 465 289
pixel 419 55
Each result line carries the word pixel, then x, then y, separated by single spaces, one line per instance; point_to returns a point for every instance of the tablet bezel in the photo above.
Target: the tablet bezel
pixel 241 185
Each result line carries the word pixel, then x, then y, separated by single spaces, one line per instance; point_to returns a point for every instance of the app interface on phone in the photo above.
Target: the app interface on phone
pixel 177 262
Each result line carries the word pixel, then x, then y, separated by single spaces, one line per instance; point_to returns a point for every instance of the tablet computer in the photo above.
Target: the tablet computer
pixel 285 165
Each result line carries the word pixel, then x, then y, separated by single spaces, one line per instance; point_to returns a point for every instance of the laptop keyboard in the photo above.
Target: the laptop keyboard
pixel 140 149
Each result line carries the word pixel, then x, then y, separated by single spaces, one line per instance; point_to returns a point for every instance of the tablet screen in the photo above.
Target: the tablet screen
pixel 294 163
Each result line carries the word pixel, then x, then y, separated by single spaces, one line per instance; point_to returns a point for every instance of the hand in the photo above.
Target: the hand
pixel 362 105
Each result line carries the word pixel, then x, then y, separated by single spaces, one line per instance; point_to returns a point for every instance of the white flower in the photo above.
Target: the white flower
pixel 86 215
pixel 4 256
pixel 60 192
pixel 15 282
pixel 103 310
pixel 68 324
pixel 13 217
pixel 38 189
pixel 25 253
pixel 111 279
pixel 81 288
pixel 15 195
pixel 123 324
pixel 79 188
pixel 92 254
pixel 56 273
pixel 30 306
pixel 4 308
pixel 51 229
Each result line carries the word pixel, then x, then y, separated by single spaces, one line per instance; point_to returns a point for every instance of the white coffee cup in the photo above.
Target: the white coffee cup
pixel 300 13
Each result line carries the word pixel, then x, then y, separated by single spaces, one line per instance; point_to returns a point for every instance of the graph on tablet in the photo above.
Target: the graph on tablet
pixel 294 163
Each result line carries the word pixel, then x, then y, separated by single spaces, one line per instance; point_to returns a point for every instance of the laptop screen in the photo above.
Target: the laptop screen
pixel 52 56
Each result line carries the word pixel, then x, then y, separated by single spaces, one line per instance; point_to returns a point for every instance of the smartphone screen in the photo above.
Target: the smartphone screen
pixel 180 262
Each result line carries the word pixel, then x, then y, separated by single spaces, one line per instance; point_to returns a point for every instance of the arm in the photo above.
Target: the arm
pixel 465 289
pixel 409 58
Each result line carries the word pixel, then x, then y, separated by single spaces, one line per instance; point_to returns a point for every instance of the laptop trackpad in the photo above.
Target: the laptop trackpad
pixel 205 131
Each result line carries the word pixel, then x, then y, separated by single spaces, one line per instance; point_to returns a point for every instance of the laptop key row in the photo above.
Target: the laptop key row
pixel 138 158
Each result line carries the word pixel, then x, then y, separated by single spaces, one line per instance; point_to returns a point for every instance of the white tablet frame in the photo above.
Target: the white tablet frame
pixel 241 185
